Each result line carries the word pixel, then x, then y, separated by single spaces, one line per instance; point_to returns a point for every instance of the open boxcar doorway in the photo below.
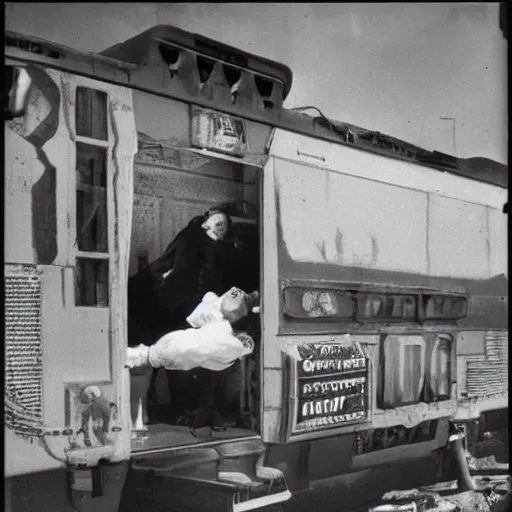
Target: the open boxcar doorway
pixel 172 186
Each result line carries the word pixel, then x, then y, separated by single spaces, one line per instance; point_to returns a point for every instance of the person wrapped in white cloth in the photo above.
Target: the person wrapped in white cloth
pixel 210 343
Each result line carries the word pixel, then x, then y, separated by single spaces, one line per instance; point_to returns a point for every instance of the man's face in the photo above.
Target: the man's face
pixel 217 225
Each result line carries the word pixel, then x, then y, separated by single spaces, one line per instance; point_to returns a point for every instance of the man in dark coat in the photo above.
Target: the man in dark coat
pixel 200 260
pixel 197 261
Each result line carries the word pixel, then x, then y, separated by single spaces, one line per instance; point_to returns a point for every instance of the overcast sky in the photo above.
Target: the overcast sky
pixel 392 67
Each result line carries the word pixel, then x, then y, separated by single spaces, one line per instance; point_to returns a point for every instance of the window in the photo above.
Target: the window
pixel 412 367
pixel 403 371
pixel 439 373
pixel 91 282
pixel 415 369
pixel 444 307
pixel 389 307
pixel 92 258
pixel 91 113
pixel 91 204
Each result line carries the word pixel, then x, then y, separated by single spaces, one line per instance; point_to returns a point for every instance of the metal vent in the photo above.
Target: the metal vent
pixel 488 375
pixel 23 350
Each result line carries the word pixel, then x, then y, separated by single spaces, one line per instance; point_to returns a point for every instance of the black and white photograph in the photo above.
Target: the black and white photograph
pixel 256 257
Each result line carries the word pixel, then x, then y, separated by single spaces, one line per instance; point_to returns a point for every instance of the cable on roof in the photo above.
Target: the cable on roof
pixel 298 109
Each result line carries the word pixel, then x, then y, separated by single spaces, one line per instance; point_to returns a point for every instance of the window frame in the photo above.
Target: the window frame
pixel 435 341
pixel 384 297
pixel 399 341
pixel 75 252
pixel 417 341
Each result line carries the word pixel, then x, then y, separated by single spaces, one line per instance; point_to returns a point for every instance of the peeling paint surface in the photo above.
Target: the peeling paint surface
pixel 39 124
pixel 375 225
pixel 362 223
pixel 79 344
pixel 387 237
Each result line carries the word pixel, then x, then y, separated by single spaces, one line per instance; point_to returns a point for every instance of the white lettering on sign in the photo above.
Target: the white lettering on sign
pixel 313 423
pixel 333 350
pixel 320 365
pixel 331 386
pixel 323 407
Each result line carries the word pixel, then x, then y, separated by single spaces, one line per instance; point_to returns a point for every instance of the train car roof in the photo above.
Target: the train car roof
pixel 117 62
pixel 476 168
pixel 49 52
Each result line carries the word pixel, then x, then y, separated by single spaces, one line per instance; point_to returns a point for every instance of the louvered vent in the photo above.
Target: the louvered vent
pixel 224 81
pixel 23 350
pixel 488 375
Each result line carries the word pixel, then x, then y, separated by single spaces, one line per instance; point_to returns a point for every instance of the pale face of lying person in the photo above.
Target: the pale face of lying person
pixel 216 226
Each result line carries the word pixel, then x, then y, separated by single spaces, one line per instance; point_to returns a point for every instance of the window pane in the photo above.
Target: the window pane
pixel 91 113
pixel 443 384
pixel 401 372
pixel 393 307
pixel 91 282
pixel 91 198
pixel 391 392
pixel 412 373
pixel 439 306
pixel 409 305
pixel 440 370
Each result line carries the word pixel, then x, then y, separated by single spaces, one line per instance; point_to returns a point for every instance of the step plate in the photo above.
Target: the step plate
pixel 264 501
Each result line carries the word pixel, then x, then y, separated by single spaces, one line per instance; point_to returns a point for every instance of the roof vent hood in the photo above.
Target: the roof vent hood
pixel 193 68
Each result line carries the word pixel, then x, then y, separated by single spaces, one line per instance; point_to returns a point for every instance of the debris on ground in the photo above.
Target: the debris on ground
pixel 493 495
pixel 488 468
pixel 484 463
